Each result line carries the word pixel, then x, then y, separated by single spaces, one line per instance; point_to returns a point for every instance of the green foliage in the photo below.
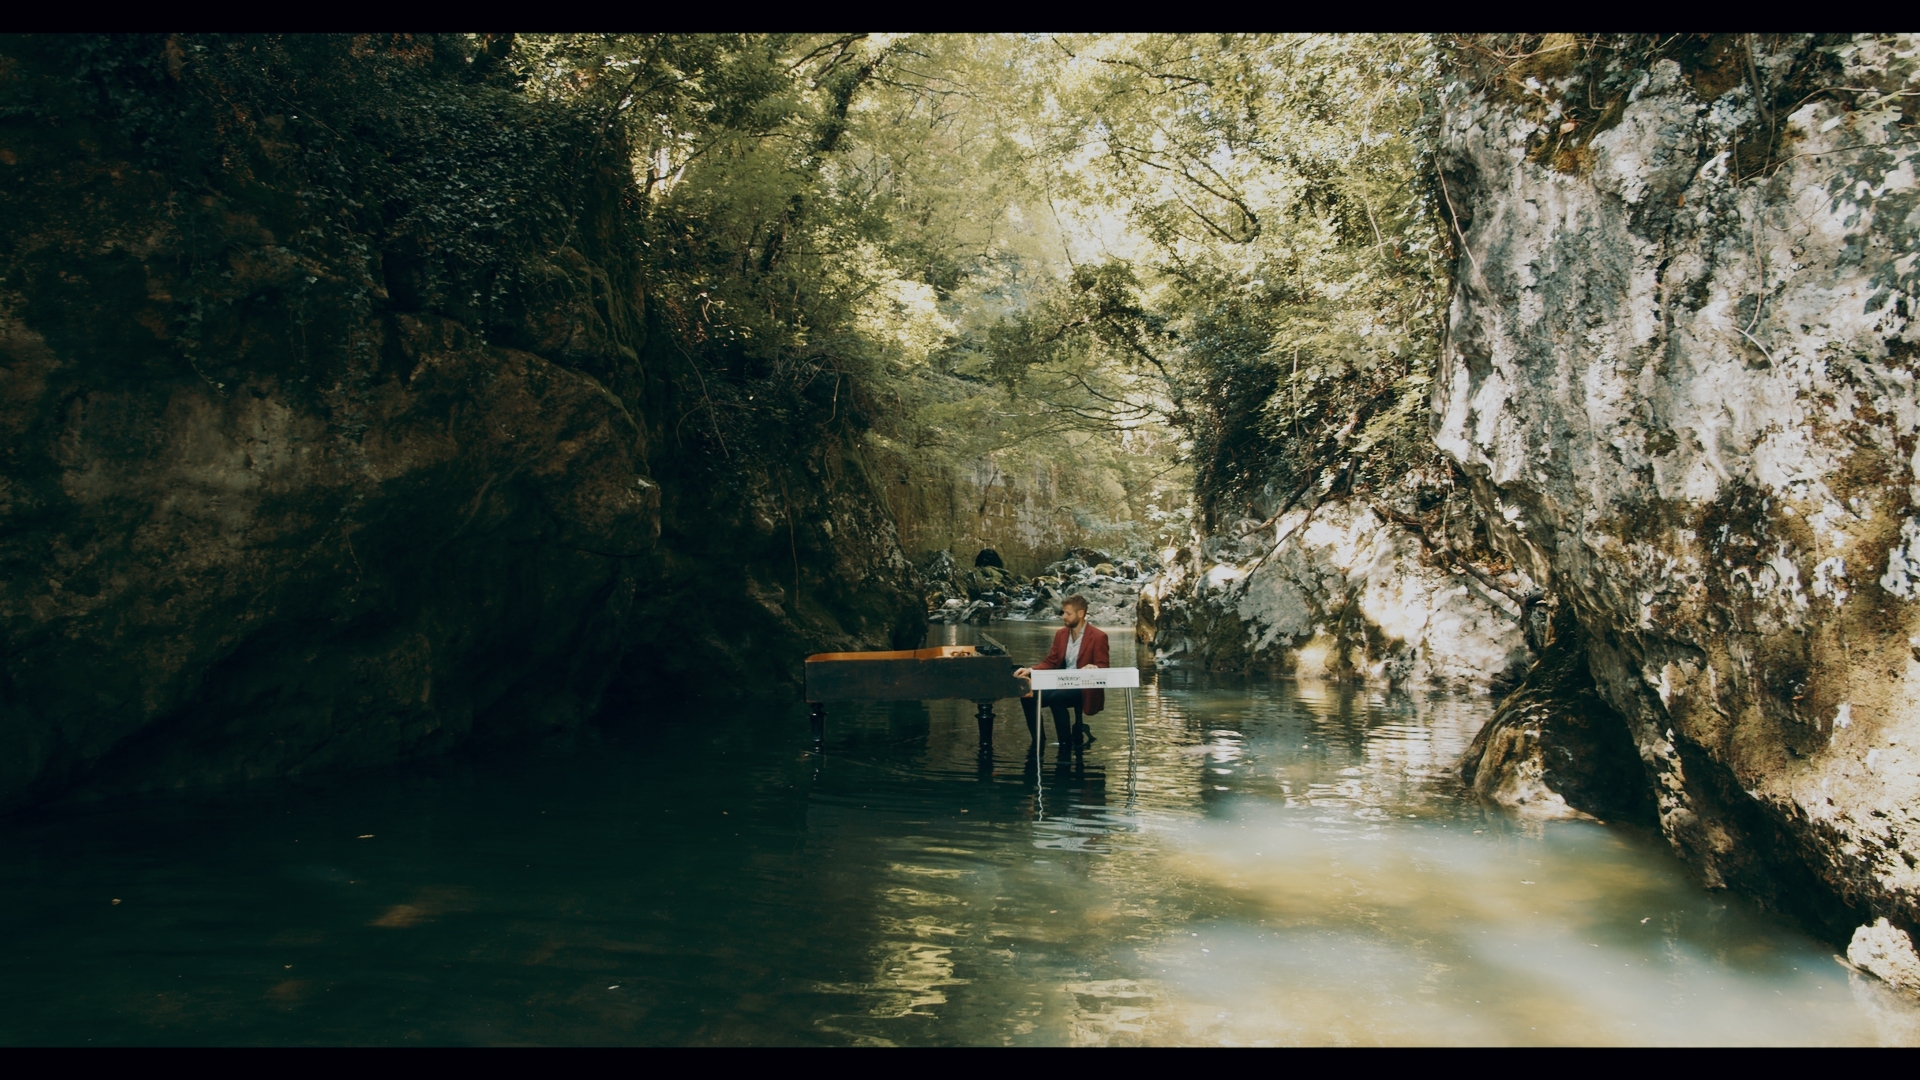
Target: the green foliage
pixel 1156 261
pixel 385 176
pixel 1285 282
pixel 1209 258
pixel 768 269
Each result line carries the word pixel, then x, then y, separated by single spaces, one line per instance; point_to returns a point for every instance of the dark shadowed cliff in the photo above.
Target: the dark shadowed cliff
pixel 338 425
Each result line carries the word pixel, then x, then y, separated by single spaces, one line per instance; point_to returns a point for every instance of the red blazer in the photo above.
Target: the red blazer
pixel 1093 653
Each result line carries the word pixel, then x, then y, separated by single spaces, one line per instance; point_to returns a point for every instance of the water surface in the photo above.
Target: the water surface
pixel 1280 864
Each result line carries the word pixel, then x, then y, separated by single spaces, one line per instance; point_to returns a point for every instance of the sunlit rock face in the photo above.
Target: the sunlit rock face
pixel 1688 404
pixel 1028 515
pixel 1332 593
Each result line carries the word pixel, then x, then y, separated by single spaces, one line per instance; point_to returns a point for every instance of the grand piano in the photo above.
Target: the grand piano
pixel 946 672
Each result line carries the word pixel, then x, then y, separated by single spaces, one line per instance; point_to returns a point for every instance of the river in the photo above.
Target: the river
pixel 1279 863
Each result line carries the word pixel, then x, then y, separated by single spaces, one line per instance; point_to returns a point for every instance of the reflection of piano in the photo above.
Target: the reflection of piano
pixel 946 672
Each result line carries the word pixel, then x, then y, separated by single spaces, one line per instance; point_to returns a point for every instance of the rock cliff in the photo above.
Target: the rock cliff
pixel 335 427
pixel 1332 591
pixel 1681 371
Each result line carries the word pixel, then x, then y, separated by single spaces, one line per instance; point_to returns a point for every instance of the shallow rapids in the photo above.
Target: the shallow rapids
pixel 1281 864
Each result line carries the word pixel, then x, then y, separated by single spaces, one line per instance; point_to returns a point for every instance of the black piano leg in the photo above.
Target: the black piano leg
pixel 983 715
pixel 819 722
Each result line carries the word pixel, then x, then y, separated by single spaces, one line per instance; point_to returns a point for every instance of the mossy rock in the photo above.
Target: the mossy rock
pixel 983 579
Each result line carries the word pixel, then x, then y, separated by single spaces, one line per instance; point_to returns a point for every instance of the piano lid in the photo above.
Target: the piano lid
pixel 938 652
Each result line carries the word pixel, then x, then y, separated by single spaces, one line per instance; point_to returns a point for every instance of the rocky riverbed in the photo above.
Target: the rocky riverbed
pixel 1110 583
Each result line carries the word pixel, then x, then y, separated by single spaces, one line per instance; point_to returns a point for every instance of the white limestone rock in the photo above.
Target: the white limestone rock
pixel 1344 595
pixel 1887 952
pixel 1685 386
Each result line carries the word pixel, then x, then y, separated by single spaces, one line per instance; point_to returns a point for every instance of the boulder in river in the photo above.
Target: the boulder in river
pixel 1112 590
pixel 1066 568
pixel 1345 593
pixel 941 579
pixel 985 579
pixel 1886 951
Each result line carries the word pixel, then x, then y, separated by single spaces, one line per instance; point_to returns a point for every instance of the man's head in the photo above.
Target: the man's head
pixel 1073 611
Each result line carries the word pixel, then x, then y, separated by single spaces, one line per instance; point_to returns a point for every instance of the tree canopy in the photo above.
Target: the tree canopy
pixel 1200 264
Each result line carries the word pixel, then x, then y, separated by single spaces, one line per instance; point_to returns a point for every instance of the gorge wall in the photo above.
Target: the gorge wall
pixel 337 426
pixel 1029 509
pixel 1334 590
pixel 1681 373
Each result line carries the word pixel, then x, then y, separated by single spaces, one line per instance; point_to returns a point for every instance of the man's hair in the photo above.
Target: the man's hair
pixel 1076 600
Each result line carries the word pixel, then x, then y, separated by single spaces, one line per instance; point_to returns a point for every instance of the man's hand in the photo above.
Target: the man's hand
pixel 1024 674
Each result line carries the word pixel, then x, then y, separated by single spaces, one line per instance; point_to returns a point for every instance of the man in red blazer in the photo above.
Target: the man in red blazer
pixel 1078 644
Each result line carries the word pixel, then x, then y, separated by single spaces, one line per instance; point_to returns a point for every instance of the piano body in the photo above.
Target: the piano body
pixel 941 673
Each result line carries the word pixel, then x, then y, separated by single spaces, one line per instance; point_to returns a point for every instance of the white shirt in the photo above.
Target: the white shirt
pixel 1073 646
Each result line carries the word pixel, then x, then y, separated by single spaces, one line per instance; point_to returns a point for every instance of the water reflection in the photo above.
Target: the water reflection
pixel 1280 863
